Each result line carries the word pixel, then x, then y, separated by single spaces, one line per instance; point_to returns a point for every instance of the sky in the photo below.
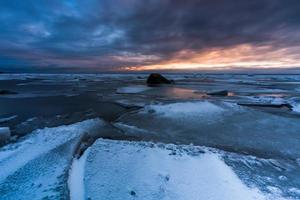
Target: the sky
pixel 150 35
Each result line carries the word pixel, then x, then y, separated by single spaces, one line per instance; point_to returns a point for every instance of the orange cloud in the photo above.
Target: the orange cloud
pixel 246 55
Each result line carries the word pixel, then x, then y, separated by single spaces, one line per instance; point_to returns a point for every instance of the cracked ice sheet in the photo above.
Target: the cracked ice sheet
pixel 139 170
pixel 199 122
pixel 37 167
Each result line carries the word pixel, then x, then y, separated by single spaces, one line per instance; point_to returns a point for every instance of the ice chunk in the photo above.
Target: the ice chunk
pixel 37 167
pixel 76 177
pixel 295 190
pixel 296 108
pixel 132 89
pixel 132 130
pixel 295 102
pixel 267 99
pixel 4 134
pixel 131 102
pixel 185 108
pixel 128 170
pixel 6 119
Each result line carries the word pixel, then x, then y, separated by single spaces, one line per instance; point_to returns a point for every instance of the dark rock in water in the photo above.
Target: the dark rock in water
pixel 132 193
pixel 219 93
pixel 156 78
pixel 3 92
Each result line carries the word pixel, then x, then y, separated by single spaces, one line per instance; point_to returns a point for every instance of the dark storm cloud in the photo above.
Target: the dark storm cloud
pixel 111 34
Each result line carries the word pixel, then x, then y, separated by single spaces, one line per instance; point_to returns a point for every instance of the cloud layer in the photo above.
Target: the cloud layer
pixel 119 34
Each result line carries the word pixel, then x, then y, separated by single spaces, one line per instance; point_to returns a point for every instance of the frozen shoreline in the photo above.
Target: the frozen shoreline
pixel 122 169
pixel 264 140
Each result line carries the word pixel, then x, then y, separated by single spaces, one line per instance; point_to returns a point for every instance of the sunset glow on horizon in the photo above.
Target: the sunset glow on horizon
pixel 241 56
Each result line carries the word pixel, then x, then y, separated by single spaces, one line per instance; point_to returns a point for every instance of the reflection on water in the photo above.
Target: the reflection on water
pixel 183 93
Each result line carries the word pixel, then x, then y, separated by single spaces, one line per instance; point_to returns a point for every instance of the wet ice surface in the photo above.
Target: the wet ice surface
pixel 256 142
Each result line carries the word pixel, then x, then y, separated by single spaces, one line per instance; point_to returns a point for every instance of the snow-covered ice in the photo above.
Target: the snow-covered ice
pixel 185 108
pixel 268 99
pixel 37 167
pixel 76 177
pixel 296 108
pixel 139 170
pixel 295 103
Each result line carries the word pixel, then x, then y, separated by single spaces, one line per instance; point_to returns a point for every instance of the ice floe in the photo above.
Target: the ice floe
pixel 37 166
pixel 140 170
pixel 132 89
pixel 269 99
pixel 131 102
pixel 296 108
pixel 6 119
pixel 185 108
pixel 132 130
pixel 76 177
